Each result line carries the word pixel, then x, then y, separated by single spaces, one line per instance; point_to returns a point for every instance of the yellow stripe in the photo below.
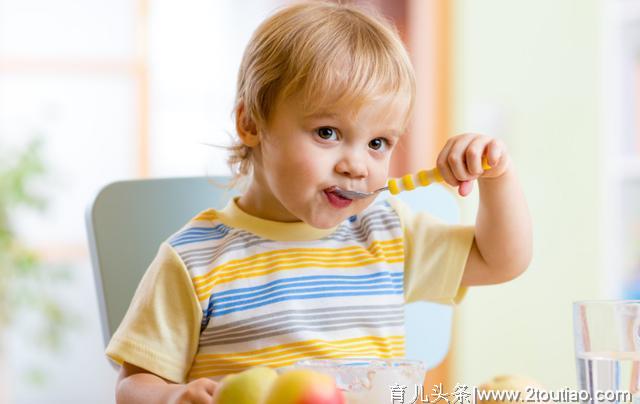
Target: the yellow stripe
pixel 380 250
pixel 308 252
pixel 301 252
pixel 207 215
pixel 212 364
pixel 283 256
pixel 204 291
pixel 423 178
pixel 297 344
pixel 299 263
pixel 284 355
pixel 284 351
pixel 407 181
pixel 393 187
pixel 239 367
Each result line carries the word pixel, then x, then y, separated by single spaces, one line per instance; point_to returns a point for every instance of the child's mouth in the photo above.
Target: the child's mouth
pixel 335 199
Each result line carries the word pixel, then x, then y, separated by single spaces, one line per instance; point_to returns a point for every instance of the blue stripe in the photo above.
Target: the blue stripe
pixel 201 230
pixel 303 297
pixel 310 278
pixel 188 237
pixel 199 234
pixel 195 240
pixel 297 285
pixel 386 285
pixel 293 281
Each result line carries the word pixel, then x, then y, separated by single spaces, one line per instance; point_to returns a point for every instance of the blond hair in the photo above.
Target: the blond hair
pixel 324 53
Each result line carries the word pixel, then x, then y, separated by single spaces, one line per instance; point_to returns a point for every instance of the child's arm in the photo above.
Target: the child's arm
pixel 136 385
pixel 502 245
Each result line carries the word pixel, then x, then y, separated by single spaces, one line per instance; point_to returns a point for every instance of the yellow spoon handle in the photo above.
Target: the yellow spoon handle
pixel 422 178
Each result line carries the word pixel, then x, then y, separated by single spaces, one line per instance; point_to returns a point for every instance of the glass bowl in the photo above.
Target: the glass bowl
pixel 370 380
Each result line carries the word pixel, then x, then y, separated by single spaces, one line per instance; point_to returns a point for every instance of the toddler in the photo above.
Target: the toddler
pixel 291 270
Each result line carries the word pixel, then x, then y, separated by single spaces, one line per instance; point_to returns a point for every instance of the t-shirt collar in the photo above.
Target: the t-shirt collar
pixel 235 217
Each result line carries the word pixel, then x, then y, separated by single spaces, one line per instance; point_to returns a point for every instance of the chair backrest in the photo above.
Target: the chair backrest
pixel 127 221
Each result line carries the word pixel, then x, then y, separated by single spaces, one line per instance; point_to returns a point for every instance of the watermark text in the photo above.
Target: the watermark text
pixel 463 394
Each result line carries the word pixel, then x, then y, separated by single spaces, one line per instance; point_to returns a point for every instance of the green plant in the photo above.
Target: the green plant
pixel 24 279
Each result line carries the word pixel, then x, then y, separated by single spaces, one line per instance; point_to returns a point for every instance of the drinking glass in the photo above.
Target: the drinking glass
pixel 607 346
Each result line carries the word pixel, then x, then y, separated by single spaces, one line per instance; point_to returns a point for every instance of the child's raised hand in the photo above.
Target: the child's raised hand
pixel 199 391
pixel 460 160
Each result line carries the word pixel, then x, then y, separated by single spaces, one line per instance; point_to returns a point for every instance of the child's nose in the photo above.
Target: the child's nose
pixel 353 166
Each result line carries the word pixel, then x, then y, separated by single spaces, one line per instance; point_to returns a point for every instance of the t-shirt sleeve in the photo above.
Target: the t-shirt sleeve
pixel 160 330
pixel 435 256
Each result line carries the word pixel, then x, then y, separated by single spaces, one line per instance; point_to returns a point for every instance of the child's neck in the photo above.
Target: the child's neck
pixel 258 201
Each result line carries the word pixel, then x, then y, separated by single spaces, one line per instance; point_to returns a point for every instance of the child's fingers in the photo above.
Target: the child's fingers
pixel 443 165
pixel 474 153
pixel 209 385
pixel 465 188
pixel 457 158
pixel 203 390
pixel 199 391
pixel 495 149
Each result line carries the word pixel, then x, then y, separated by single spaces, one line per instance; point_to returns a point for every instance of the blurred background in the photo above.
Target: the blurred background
pixel 94 91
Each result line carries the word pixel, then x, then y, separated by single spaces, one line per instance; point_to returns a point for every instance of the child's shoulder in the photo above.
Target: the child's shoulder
pixel 207 218
pixel 208 215
pixel 206 225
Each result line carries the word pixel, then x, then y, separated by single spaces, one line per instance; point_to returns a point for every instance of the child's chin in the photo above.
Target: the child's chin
pixel 331 222
pixel 327 223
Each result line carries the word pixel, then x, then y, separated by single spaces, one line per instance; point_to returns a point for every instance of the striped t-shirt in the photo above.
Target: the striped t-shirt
pixel 230 291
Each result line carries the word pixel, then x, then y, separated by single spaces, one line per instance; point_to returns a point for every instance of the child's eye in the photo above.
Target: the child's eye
pixel 378 143
pixel 326 133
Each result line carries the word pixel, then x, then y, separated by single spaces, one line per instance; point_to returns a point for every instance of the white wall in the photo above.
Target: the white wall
pixel 88 118
pixel 528 72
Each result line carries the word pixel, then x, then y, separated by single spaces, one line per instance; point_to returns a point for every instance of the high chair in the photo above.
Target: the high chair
pixel 127 221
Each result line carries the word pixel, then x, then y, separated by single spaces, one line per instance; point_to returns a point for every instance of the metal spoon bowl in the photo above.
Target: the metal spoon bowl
pixel 345 193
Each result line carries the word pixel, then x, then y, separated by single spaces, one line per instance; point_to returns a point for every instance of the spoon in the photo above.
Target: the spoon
pixel 407 182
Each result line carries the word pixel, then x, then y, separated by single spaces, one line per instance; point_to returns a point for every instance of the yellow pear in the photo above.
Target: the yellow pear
pixel 247 387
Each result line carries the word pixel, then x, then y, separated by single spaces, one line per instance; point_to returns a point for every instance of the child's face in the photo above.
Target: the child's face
pixel 300 158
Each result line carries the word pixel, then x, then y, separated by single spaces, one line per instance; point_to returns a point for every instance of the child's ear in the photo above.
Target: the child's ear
pixel 246 128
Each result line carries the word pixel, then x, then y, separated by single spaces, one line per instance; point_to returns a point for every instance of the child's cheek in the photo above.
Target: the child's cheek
pixel 308 164
pixel 296 174
pixel 379 175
